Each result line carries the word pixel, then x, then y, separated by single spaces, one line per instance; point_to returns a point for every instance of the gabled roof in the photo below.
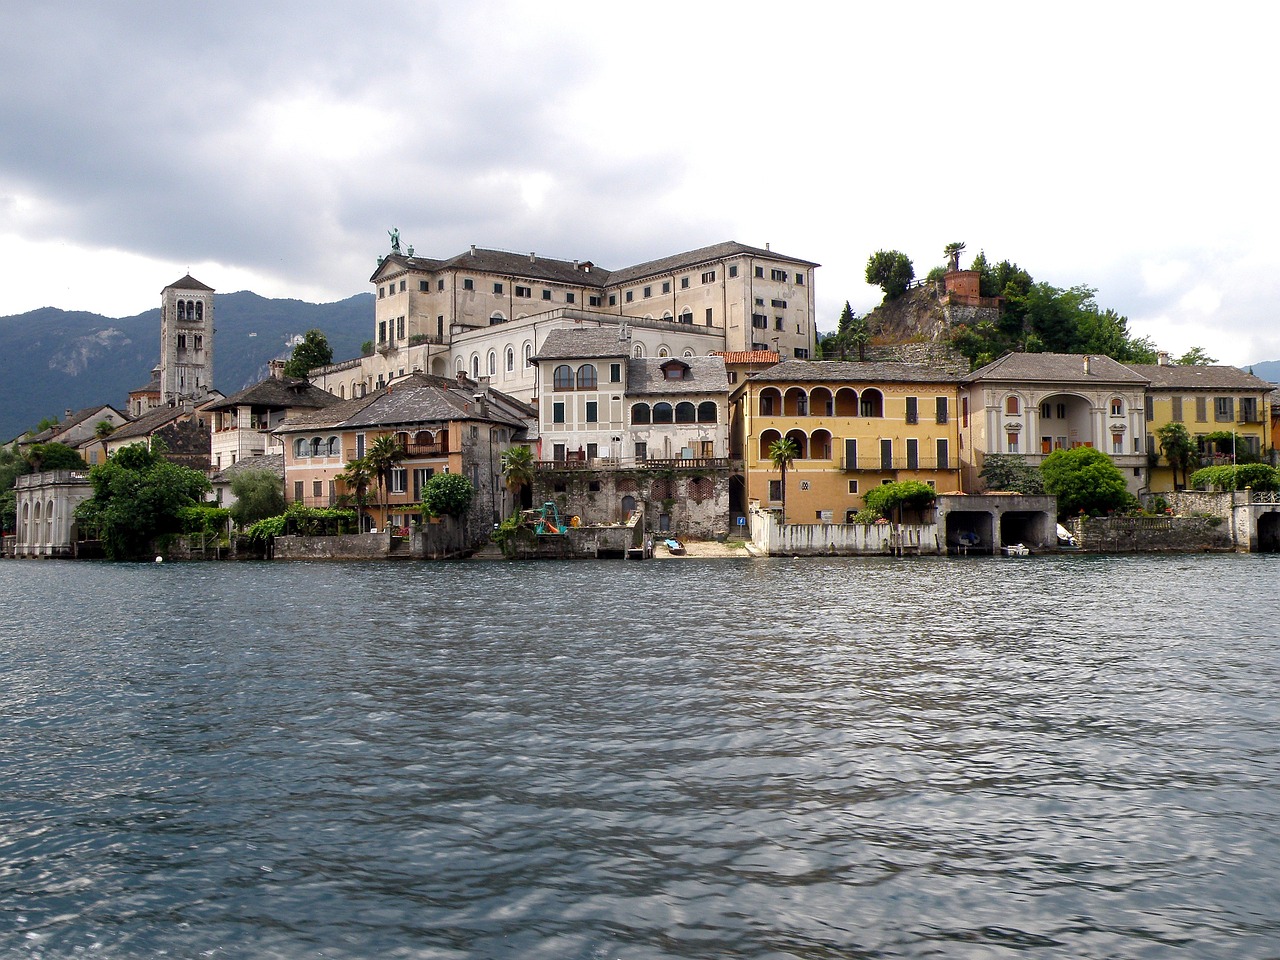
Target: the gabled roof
pixel 272 463
pixel 748 356
pixel 188 283
pixel 1057 368
pixel 1199 377
pixel 703 255
pixel 646 376
pixel 279 393
pixel 149 422
pixel 852 371
pixel 567 343
pixel 417 398
pixel 74 420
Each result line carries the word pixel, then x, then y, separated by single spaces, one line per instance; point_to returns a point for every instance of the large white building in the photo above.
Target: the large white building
pixel 487 313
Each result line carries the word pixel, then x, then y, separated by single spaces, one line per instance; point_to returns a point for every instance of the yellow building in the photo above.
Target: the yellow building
pixel 1213 403
pixel 854 425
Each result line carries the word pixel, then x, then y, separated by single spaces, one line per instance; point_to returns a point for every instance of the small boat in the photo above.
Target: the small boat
pixel 1016 550
pixel 673 545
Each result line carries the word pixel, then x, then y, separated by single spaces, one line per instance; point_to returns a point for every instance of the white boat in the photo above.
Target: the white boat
pixel 1016 550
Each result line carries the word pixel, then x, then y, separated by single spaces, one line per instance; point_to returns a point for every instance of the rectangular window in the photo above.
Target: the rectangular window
pixel 799 279
pixel 1062 411
pixel 648 292
pixel 802 353
pixel 1248 405
pixel 708 316
pixel 775 490
pixel 1202 410
pixel 709 277
pixel 557 412
pixel 613 299
pixel 523 292
pixel 760 321
pixel 778 275
pixel 468 284
pixel 913 453
pixel 1224 409
pixel 593 301
pixel 913 410
pixel 1149 408
pixel 853 486
pixel 733 270
pixel 497 288
pixel 593 451
pixel 850 453
pixel 297 490
pixel 684 283
pixel 400 328
pixel 940 410
pixel 886 454
pixel 630 295
pixel 759 273
pixel 1046 411
pixel 1117 443
pixel 316 488
pixel 381 293
pixel 592 408
pixel 382 331
pixel 615 373
pixel 1012 440
pixel 420 477
pixel 944 454
pixel 1176 416
pixel 642 451
pixel 779 304
pixel 557 452
pixel 964 411
pixel 777 323
pixel 1117 407
pixel 568 297
pixel 423 286
pixel 440 284
pixel 546 295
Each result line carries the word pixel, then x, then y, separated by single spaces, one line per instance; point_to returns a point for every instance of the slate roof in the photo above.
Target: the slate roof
pixel 584 273
pixel 1056 368
pixel 568 343
pixel 278 393
pixel 705 375
pixel 1198 377
pixel 417 398
pixel 853 371
pixel 272 463
pixel 189 283
pixel 76 418
pixel 149 422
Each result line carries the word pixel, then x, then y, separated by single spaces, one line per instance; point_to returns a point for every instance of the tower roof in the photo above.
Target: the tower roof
pixel 188 283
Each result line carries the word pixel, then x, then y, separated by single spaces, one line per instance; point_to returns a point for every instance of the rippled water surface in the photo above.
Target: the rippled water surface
pixel 1057 757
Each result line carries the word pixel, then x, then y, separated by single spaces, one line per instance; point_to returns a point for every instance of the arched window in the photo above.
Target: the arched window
pixel 402 440
pixel 317 446
pixel 686 412
pixel 767 440
pixel 493 363
pixel 511 360
pixel 182 309
pixel 423 438
pixel 770 402
pixel 587 376
pixel 637 351
pixel 662 413
pixel 821 403
pixel 687 352
pixel 686 315
pixel 846 402
pixel 1117 407
pixel 475 366
pixel 562 378
pixel 707 412
pixel 872 403
pixel 639 413
pixel 342 391
pixel 459 364
pixel 199 310
pixel 1011 406
pixel 335 449
pixel 666 315
pixel 497 318
pixel 664 352
pixel 820 445
pixel 801 440
pixel 301 448
pixel 528 352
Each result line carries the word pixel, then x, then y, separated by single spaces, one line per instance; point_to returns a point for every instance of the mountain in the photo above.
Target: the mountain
pixel 1268 370
pixel 53 360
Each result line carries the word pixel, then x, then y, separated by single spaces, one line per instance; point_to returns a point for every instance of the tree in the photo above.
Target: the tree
pixel 1196 357
pixel 12 466
pixel 952 252
pixel 1179 448
pixel 313 351
pixel 518 468
pixel 447 495
pixel 356 477
pixel 902 495
pixel 138 495
pixel 382 456
pixel 1011 472
pixel 1085 480
pixel 1229 476
pixel 891 271
pixel 54 456
pixel 259 494
pixel 102 430
pixel 782 453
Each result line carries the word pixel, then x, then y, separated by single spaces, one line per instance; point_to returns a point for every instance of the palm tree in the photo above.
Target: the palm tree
pixel 383 455
pixel 103 429
pixel 1179 449
pixel 518 468
pixel 356 478
pixel 782 453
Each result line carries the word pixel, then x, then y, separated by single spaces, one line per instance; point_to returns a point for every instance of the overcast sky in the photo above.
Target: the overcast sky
pixel 271 146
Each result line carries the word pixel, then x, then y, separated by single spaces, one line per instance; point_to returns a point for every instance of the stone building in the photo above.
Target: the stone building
pixel 186 340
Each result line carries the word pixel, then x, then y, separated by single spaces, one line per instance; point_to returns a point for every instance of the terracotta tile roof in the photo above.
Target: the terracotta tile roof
pixel 1198 377
pixel 1057 368
pixel 747 356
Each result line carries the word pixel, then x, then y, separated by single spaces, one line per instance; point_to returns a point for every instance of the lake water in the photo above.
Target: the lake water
pixel 1071 757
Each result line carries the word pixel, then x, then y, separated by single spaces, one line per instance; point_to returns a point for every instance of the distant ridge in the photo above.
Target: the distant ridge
pixel 52 360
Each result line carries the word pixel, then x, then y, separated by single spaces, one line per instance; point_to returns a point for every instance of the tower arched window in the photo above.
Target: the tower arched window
pixel 199 310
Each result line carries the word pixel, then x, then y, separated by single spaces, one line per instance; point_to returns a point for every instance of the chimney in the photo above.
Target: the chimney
pixel 766 245
pixel 575 265
pixel 1162 358
pixel 533 257
pixel 1086 364
pixel 462 377
pixel 67 415
pixel 473 249
pixel 276 369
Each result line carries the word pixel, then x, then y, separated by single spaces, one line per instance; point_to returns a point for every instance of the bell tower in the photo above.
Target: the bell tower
pixel 186 340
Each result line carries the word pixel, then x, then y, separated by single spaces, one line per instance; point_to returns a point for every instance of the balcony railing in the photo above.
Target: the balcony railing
pixel 890 464
pixel 630 463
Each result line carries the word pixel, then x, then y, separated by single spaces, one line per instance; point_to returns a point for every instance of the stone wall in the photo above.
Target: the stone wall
pixel 841 539
pixel 1152 534
pixel 354 546
pixel 932 353
pixel 695 499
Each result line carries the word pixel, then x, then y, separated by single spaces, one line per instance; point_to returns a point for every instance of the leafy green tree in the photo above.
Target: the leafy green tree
pixel 902 495
pixel 518 468
pixel 1196 357
pixel 782 453
pixel 891 271
pixel 54 456
pixel 1229 476
pixel 259 494
pixel 138 495
pixel 366 349
pixel 356 477
pixel 447 495
pixel 1085 479
pixel 12 466
pixel 1179 448
pixel 1011 472
pixel 314 351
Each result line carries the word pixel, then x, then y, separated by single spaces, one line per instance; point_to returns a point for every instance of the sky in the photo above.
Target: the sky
pixel 271 147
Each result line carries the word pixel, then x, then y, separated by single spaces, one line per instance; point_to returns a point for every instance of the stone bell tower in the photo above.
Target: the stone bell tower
pixel 186 340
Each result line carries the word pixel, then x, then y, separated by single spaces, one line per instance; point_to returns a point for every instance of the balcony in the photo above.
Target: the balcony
pixel 894 464
pixel 629 463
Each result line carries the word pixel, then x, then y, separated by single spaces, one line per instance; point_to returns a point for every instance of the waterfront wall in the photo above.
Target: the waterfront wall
pixel 1153 534
pixel 690 502
pixel 841 539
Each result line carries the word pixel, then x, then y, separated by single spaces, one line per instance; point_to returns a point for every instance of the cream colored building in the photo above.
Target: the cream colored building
pixel 487 313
